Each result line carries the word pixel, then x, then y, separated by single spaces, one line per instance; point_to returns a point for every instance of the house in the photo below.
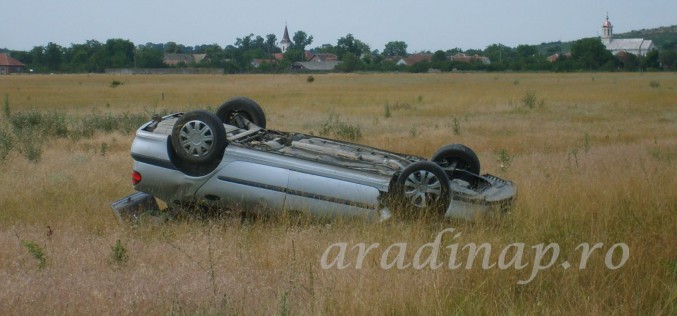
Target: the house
pixel 555 57
pixel 321 57
pixel 635 46
pixel 414 59
pixel 173 59
pixel 462 57
pixel 9 65
pixel 257 62
pixel 315 65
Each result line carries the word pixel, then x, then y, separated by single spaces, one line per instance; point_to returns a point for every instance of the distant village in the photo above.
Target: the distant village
pixel 327 62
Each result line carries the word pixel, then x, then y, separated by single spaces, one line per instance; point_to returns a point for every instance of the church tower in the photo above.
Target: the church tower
pixel 284 44
pixel 607 31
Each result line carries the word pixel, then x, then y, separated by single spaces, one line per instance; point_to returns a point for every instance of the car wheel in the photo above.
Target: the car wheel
pixel 233 111
pixel 424 185
pixel 199 137
pixel 456 157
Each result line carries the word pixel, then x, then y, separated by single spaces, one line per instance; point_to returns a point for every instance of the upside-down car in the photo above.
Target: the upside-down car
pixel 229 160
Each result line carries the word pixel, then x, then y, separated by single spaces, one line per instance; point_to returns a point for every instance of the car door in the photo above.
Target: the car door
pixel 328 197
pixel 247 186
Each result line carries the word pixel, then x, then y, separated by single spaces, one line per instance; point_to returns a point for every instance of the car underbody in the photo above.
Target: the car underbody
pixel 178 160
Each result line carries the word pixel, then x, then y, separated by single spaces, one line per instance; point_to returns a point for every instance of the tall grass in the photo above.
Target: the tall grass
pixel 619 188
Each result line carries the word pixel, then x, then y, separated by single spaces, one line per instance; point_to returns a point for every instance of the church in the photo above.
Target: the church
pixel 635 46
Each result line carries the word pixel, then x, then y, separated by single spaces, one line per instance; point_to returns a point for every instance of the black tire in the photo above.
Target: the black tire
pixel 247 108
pixel 423 185
pixel 199 138
pixel 456 158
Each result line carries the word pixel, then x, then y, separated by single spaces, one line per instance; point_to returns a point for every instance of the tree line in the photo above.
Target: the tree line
pixel 93 56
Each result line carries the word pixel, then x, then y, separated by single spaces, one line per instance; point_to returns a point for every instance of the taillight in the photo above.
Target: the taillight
pixel 136 177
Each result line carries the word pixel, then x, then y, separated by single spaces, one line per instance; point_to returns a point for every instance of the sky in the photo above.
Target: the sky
pixel 424 25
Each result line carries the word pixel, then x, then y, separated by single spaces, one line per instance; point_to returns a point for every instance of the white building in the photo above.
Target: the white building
pixel 286 42
pixel 635 46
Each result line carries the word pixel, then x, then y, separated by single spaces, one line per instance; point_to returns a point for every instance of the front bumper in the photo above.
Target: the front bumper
pixel 495 195
pixel 134 206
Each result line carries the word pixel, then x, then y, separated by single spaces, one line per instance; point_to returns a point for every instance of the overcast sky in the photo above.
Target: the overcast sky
pixel 422 24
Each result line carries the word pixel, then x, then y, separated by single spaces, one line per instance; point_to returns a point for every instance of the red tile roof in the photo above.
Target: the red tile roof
pixel 5 60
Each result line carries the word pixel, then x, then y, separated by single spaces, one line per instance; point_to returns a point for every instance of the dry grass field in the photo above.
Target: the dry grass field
pixel 594 156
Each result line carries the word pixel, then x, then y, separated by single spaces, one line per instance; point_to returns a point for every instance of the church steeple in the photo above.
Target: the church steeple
pixel 607 31
pixel 286 42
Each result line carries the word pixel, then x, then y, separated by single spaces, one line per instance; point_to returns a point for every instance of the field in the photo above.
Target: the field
pixel 594 156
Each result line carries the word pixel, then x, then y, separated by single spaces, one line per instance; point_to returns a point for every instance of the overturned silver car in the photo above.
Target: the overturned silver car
pixel 228 160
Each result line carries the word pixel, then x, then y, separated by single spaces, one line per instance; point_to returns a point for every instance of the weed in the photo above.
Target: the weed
pixel 54 124
pixel 119 253
pixel 310 79
pixel 25 120
pixel 403 106
pixel 655 84
pixel 586 142
pixel 456 126
pixel 413 132
pixel 115 84
pixel 103 149
pixel 36 251
pixel 334 127
pixel 387 113
pixel 27 131
pixel 30 145
pixel 6 106
pixel 284 307
pixel 573 156
pixel 6 144
pixel 504 159
pixel 529 99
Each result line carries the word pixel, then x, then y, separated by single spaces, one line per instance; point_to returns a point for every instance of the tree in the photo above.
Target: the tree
pixel 87 57
pixel 293 55
pixel 439 60
pixel 526 58
pixel 53 56
pixel 245 43
pixel 626 61
pixel 349 63
pixel 148 57
pixel 590 53
pixel 172 47
pixel 526 51
pixel 119 53
pixel 499 54
pixel 652 59
pixel 301 40
pixel 271 44
pixel 349 44
pixel 668 59
pixel 325 48
pixel 395 48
